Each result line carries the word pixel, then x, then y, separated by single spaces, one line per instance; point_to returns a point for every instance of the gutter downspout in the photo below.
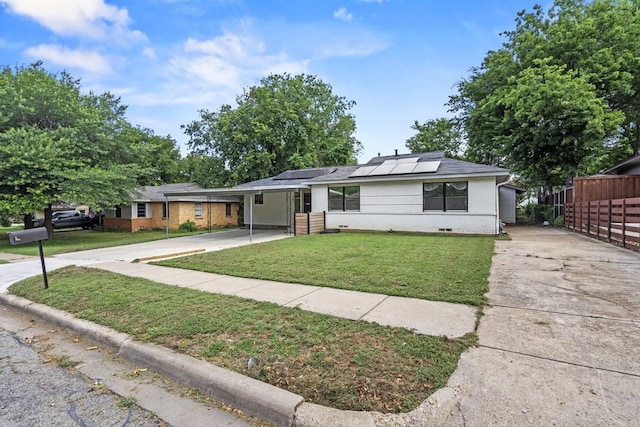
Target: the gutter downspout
pixel 498 206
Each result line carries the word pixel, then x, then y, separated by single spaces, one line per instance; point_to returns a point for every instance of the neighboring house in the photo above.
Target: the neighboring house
pixel 507 195
pixel 424 192
pixel 149 208
pixel 631 166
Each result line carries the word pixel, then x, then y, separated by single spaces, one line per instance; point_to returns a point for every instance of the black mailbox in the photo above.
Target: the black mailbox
pixel 32 235
pixel 28 236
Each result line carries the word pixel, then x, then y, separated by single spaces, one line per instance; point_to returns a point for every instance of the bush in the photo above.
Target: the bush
pixel 538 213
pixel 5 219
pixel 559 221
pixel 187 226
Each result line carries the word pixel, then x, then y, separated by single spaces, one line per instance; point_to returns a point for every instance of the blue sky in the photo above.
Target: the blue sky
pixel 398 59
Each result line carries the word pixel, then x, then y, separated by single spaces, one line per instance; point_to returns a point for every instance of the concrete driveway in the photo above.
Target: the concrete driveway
pixel 560 338
pixel 11 273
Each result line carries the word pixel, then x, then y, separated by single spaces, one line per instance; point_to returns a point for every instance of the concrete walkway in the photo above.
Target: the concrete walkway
pixel 422 316
pixel 560 340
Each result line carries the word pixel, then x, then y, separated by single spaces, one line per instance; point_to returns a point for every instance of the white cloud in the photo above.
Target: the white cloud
pixel 92 19
pixel 343 14
pixel 149 52
pixel 230 61
pixel 59 55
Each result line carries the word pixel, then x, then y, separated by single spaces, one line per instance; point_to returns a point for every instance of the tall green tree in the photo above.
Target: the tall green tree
pixel 285 122
pixel 435 135
pixel 207 171
pixel 57 144
pixel 596 43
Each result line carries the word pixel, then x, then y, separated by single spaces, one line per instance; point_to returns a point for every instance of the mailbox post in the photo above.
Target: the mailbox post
pixel 32 235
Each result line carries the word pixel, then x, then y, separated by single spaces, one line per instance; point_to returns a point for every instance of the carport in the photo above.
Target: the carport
pixel 245 191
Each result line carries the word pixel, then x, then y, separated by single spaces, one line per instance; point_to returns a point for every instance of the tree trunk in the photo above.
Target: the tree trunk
pixel 47 221
pixel 28 221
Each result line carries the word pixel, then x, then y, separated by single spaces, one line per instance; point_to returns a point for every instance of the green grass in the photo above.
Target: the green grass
pixel 78 240
pixel 330 361
pixel 433 267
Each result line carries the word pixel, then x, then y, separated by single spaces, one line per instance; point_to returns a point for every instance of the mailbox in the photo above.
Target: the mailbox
pixel 28 236
pixel 32 235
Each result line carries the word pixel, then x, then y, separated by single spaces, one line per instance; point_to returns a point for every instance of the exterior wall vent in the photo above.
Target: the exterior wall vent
pixel 447 230
pixel 343 226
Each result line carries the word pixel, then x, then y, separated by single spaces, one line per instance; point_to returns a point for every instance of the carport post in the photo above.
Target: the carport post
pixel 253 196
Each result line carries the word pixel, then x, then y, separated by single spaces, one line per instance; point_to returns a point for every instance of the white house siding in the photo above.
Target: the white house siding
pixel 126 212
pixel 272 213
pixel 398 206
pixel 507 198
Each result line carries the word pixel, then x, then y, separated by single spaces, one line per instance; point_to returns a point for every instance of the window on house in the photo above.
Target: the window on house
pixel 198 210
pixel 165 212
pixel 258 199
pixel 227 209
pixel 141 210
pixel 119 212
pixel 445 196
pixel 344 198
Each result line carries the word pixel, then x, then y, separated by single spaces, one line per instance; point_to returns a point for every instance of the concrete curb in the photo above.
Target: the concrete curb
pixel 251 396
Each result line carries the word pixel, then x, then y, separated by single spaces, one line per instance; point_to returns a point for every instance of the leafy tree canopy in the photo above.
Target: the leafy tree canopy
pixel 286 122
pixel 435 135
pixel 562 94
pixel 57 144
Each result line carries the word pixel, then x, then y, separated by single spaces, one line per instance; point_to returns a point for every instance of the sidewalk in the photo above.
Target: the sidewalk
pixel 422 316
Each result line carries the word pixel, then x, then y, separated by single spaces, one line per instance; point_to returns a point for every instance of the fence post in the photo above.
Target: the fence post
pixel 589 218
pixel 609 222
pixel 598 219
pixel 624 222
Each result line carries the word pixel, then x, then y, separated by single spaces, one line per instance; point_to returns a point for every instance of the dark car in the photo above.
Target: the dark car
pixel 69 219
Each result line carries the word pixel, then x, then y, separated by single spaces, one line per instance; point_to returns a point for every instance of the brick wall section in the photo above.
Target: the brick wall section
pixel 179 212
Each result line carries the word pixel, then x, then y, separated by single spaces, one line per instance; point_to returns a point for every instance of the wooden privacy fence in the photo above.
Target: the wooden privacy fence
pixel 309 223
pixel 616 221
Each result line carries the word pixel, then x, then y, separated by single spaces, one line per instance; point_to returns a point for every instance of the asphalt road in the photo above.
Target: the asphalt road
pixel 36 393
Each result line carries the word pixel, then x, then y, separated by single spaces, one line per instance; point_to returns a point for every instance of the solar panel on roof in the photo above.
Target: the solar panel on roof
pixel 427 167
pixel 403 168
pixel 396 168
pixel 399 161
pixel 382 170
pixel 363 171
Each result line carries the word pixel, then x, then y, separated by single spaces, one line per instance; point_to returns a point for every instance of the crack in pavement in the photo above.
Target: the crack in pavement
pixel 565 362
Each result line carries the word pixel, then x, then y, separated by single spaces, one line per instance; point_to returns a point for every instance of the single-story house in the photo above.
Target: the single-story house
pixel 424 192
pixel 149 208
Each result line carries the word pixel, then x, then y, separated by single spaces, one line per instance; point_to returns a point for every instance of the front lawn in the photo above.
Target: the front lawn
pixel 433 267
pixel 329 361
pixel 79 240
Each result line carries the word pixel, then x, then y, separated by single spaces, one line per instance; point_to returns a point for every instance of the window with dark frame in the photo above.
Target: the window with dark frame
pixel 118 211
pixel 227 209
pixel 344 198
pixel 258 199
pixel 445 196
pixel 141 210
pixel 165 214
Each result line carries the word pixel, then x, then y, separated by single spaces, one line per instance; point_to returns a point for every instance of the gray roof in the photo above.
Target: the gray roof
pixel 307 177
pixel 152 193
pixel 625 166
